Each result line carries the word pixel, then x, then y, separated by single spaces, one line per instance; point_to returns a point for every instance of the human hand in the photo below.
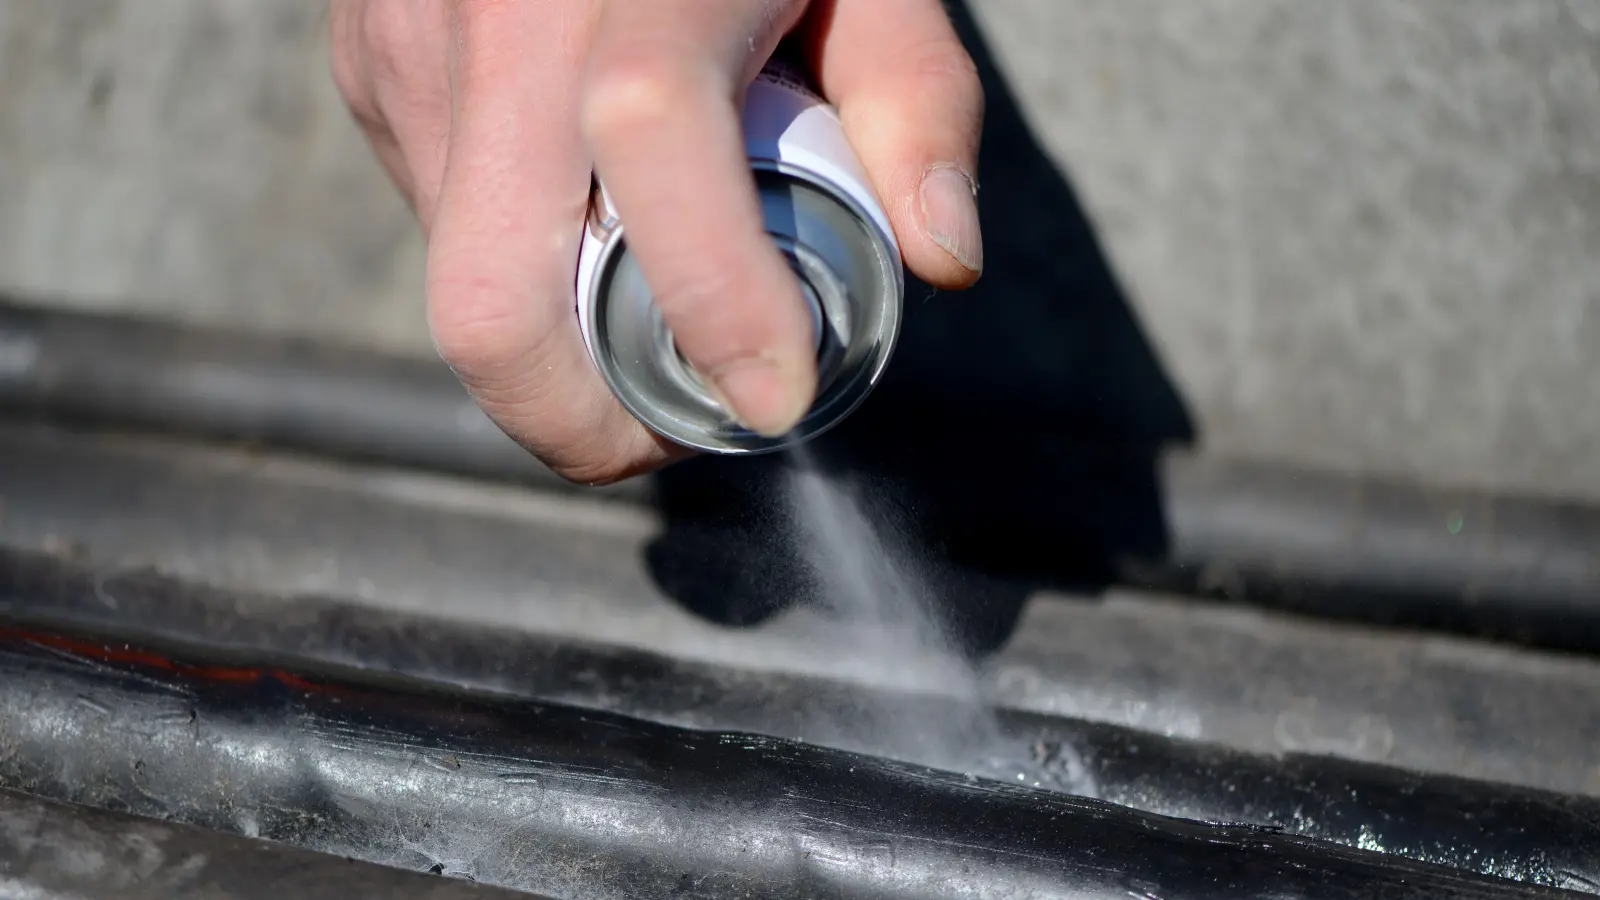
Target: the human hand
pixel 490 116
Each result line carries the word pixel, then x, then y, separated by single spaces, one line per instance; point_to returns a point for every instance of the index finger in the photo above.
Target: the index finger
pixel 504 242
pixel 661 118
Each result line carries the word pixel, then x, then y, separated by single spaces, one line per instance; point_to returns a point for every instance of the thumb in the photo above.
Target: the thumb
pixel 912 106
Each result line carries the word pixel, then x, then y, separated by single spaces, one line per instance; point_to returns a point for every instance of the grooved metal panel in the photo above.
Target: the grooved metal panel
pixel 527 561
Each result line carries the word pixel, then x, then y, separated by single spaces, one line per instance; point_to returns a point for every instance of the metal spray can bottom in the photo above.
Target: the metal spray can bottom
pixel 822 215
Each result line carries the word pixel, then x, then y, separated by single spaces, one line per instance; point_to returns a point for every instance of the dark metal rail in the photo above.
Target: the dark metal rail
pixel 57 851
pixel 527 561
pixel 144 373
pixel 1376 551
pixel 579 804
pixel 1530 836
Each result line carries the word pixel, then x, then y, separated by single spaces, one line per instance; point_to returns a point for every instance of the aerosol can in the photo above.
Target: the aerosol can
pixel 822 213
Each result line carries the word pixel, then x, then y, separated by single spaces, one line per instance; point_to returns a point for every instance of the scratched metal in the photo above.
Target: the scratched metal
pixel 56 851
pixel 579 804
pixel 528 562
pixel 1495 829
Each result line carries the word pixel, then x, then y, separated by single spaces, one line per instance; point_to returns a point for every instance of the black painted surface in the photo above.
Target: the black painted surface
pixel 577 803
pixel 528 561
pixel 580 804
pixel 1528 835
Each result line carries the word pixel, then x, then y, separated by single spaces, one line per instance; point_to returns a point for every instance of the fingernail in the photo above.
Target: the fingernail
pixel 950 212
pixel 761 397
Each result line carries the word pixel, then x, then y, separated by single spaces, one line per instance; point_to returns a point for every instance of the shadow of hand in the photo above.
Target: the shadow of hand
pixel 1011 446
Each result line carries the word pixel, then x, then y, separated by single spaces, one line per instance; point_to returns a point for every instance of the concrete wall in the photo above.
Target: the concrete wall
pixel 192 157
pixel 1363 235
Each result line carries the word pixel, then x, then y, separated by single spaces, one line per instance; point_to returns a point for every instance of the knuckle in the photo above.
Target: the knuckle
pixel 938 82
pixel 492 26
pixel 694 294
pixel 944 58
pixel 709 322
pixel 346 56
pixel 607 470
pixel 465 10
pixel 478 328
pixel 946 63
pixel 628 92
pixel 387 62
pixel 373 45
pixel 570 433
pixel 580 434
pixel 386 39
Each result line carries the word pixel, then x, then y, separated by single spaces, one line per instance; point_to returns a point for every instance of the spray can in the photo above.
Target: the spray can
pixel 823 215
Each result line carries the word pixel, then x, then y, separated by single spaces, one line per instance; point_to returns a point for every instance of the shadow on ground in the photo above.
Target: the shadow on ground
pixel 1013 444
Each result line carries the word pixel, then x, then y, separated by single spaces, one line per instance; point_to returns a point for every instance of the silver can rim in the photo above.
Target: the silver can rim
pixel 751 443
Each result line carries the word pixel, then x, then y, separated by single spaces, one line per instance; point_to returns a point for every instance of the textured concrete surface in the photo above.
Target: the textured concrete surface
pixel 1363 235
pixel 191 157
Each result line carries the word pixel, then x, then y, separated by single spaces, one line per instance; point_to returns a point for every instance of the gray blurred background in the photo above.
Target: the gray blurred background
pixel 1363 236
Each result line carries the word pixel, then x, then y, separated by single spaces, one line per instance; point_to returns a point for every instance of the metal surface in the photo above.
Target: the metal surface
pixel 56 851
pixel 1339 547
pixel 585 804
pixel 526 562
pixel 256 389
pixel 1492 829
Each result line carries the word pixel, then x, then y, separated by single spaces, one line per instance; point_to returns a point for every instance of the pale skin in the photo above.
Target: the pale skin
pixel 491 115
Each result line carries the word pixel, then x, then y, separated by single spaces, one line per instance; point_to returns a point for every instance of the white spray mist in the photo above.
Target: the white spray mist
pixel 870 580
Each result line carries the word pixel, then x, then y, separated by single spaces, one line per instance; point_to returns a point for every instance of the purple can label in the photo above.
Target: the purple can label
pixel 785 74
